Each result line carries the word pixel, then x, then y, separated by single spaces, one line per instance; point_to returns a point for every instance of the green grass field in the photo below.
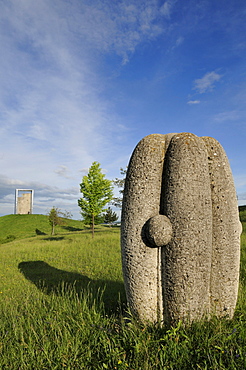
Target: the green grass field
pixel 63 306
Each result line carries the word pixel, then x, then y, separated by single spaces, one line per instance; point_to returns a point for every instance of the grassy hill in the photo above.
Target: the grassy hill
pixel 25 226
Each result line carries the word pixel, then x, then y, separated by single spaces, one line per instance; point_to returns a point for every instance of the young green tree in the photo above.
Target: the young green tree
pixel 56 217
pixel 97 192
pixel 110 216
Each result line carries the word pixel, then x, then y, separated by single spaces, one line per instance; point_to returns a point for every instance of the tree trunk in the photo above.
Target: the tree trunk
pixel 53 229
pixel 93 222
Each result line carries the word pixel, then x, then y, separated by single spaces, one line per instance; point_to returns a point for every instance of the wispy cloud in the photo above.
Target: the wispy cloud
pixel 193 102
pixel 44 196
pixel 54 118
pixel 63 171
pixel 53 80
pixel 166 8
pixel 119 26
pixel 233 115
pixel 179 41
pixel 206 83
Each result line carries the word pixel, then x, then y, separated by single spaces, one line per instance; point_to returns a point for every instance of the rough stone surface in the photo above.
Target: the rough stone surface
pixel 180 230
pixel 187 203
pixel 24 206
pixel 142 264
pixel 226 232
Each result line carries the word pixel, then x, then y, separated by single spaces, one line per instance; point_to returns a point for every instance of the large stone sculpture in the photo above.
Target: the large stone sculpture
pixel 180 233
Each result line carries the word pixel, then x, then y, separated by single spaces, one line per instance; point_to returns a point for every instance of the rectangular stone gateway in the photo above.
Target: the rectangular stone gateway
pixel 24 201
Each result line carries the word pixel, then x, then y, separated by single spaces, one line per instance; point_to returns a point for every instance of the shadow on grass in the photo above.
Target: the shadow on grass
pixel 71 228
pixel 39 232
pixel 49 280
pixel 52 238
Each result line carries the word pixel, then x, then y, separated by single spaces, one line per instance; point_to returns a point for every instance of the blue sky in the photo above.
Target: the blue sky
pixel 85 80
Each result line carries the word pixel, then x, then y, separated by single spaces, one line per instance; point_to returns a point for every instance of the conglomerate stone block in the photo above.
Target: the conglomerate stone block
pixel 180 230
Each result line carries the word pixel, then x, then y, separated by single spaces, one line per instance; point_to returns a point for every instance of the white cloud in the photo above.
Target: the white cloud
pixel 63 171
pixel 192 102
pixel 116 26
pixel 51 108
pixel 167 8
pixel 54 93
pixel 206 83
pixel 179 41
pixel 227 116
pixel 44 196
